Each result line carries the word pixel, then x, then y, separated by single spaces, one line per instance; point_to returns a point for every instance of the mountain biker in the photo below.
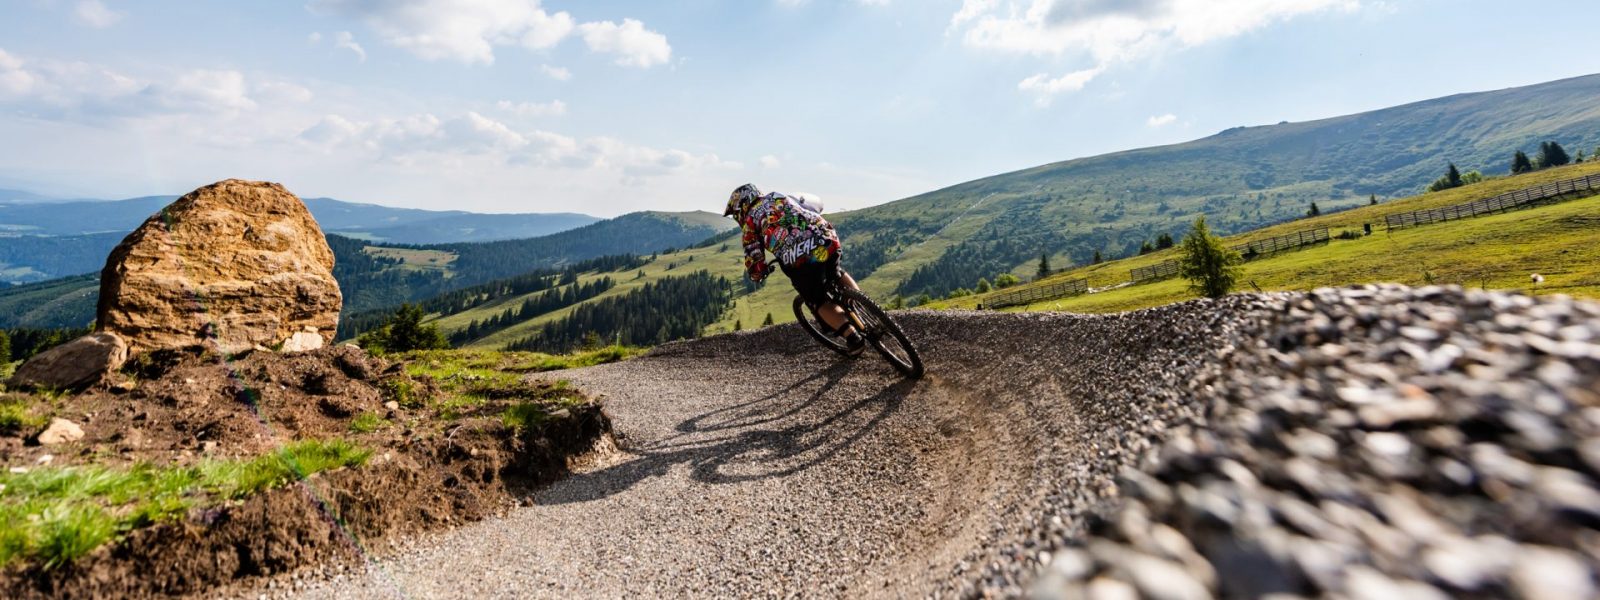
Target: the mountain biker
pixel 806 246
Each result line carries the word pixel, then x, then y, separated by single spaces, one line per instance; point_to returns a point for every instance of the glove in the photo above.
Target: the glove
pixel 759 271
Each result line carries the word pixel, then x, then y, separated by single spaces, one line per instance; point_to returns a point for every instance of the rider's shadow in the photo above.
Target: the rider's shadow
pixel 773 436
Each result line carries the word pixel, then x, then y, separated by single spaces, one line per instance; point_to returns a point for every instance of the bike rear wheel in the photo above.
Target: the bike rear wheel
pixel 884 334
pixel 814 325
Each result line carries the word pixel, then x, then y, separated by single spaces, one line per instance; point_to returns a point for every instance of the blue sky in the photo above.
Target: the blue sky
pixel 606 107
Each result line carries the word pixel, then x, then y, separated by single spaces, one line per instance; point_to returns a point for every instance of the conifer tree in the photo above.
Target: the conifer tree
pixel 1313 211
pixel 1520 163
pixel 1451 179
pixel 1097 259
pixel 1372 200
pixel 1164 241
pixel 404 332
pixel 1210 266
pixel 1044 265
pixel 768 321
pixel 1552 154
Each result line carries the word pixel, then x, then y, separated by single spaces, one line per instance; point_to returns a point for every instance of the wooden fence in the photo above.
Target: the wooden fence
pixel 1169 268
pixel 1506 201
pixel 1162 270
pixel 1283 242
pixel 1070 287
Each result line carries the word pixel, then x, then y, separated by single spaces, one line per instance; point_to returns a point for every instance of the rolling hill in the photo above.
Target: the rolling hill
pixel 1242 179
pixel 1497 251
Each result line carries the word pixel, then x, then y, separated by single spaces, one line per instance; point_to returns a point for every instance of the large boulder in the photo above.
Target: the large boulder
pixel 232 266
pixel 75 364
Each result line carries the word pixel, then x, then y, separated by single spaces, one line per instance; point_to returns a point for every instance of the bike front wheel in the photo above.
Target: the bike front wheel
pixel 885 335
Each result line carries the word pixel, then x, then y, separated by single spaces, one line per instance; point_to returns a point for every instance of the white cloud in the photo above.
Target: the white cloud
pixel 83 91
pixel 1111 30
pixel 1162 120
pixel 203 91
pixel 332 139
pixel 14 79
pixel 275 92
pixel 556 73
pixel 460 30
pixel 1046 88
pixel 553 108
pixel 429 139
pixel 94 13
pixel 770 162
pixel 332 130
pixel 314 39
pixel 1101 33
pixel 51 87
pixel 347 40
pixel 634 45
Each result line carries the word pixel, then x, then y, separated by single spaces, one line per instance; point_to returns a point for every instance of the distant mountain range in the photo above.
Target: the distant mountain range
pixel 22 197
pixel 43 238
pixel 371 275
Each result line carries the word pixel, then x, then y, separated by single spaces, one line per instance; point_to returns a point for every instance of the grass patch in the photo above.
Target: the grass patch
pixel 368 422
pixel 523 415
pixel 16 417
pixel 472 380
pixel 57 515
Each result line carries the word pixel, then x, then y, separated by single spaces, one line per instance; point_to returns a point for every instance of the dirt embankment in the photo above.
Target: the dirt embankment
pixel 189 409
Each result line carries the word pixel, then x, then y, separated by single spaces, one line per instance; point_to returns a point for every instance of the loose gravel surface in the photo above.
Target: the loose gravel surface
pixel 1365 442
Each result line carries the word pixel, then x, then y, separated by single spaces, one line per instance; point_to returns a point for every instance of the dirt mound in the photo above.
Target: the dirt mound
pixel 190 407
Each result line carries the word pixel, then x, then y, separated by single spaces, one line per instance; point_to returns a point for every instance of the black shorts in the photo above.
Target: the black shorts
pixel 813 279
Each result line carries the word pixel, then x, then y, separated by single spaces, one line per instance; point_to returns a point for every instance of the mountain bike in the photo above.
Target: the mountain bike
pixel 880 331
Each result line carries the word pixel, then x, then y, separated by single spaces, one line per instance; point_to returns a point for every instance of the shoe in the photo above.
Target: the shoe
pixel 854 345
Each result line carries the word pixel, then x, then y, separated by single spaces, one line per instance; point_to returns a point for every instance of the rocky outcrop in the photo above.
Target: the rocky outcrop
pixel 232 266
pixel 75 364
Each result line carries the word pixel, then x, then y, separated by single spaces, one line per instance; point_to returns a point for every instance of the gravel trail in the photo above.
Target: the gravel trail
pixel 1189 451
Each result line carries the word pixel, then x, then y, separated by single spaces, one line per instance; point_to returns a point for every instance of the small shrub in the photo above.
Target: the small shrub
pixel 402 390
pixel 403 332
pixel 1349 235
pixel 1210 266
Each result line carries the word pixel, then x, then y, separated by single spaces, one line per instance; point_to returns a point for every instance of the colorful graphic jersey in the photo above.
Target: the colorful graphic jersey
pixel 777 223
